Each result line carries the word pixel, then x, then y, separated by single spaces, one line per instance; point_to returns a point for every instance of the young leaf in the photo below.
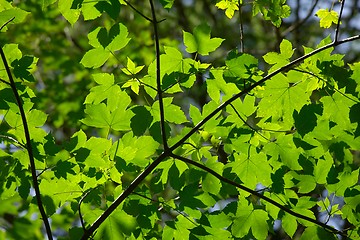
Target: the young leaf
pixel 282 58
pixel 131 69
pixel 200 41
pixel 134 84
pixel 327 17
pixel 230 6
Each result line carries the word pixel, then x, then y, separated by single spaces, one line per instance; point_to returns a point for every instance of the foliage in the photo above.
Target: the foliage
pixel 151 130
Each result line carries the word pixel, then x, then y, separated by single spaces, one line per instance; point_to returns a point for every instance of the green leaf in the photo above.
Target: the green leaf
pixel 284 148
pixel 322 168
pixel 105 43
pixel 95 58
pixel 117 226
pixel 272 10
pixel 112 40
pixel 106 90
pixel 281 96
pixel 173 113
pixel 35 120
pixel 71 15
pixel 134 84
pixel 167 3
pixel 141 120
pixel 249 218
pixel 217 88
pixel 316 233
pixel 356 76
pixel 244 108
pixel 327 17
pixel 200 40
pixel 60 190
pixel 345 181
pixel 131 69
pixel 306 184
pixel 241 65
pixel 100 116
pixel 280 59
pixel 135 150
pixel 337 108
pixel 289 224
pixel 7 11
pixel 230 6
pixel 211 184
pixel 251 169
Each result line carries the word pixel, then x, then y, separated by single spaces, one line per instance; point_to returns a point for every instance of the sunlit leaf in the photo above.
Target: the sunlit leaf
pixel 200 41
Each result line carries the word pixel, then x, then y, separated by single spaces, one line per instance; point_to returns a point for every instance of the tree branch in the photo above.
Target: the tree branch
pixel 247 90
pixel 298 24
pixel 168 151
pixel 241 28
pixel 158 76
pixel 253 192
pixel 337 31
pixel 28 147
pixel 136 10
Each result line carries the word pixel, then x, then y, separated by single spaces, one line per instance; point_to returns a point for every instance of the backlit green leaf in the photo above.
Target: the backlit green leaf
pixel 327 17
pixel 200 41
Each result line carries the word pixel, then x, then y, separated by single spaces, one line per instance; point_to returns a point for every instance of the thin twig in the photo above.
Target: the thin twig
pixel 28 147
pixel 158 76
pixel 337 31
pixel 132 75
pixel 136 10
pixel 297 25
pixel 6 23
pixel 79 209
pixel 12 140
pixel 243 120
pixel 3 81
pixel 256 193
pixel 241 28
pixel 165 204
pixel 326 81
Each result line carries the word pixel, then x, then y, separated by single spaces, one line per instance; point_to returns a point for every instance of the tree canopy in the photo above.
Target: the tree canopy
pixel 163 119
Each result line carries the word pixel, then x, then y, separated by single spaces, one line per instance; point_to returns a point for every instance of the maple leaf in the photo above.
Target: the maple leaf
pixel 200 41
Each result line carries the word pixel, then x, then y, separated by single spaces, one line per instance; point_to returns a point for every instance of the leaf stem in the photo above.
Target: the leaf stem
pixel 28 147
